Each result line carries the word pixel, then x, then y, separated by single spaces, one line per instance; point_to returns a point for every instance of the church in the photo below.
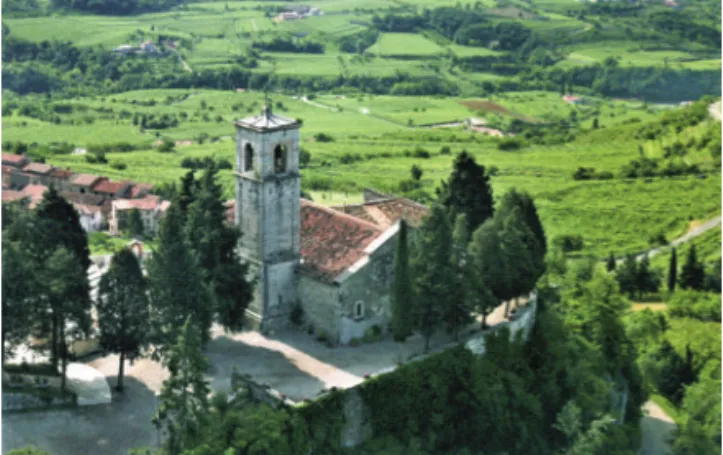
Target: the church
pixel 337 263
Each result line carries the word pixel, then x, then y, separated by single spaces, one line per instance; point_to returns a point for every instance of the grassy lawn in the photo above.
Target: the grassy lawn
pixel 666 405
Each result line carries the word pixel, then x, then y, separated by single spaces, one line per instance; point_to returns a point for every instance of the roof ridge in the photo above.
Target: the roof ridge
pixel 341 214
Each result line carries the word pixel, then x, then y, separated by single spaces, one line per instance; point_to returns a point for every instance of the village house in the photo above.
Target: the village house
pixel 10 196
pixel 90 217
pixel 84 183
pixel 151 209
pixel 60 179
pixel 7 174
pixel 39 173
pixel 13 160
pixel 112 190
pixel 140 190
pixel 35 194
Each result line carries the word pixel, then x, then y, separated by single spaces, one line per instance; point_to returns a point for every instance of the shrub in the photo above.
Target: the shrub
pixel 355 342
pixel 372 334
pixel 704 306
pixel 508 144
pixel 493 170
pixel 119 165
pixel 568 243
pixel 167 146
pixel 322 337
pixel 297 314
pixel 419 152
pixel 445 150
pixel 323 137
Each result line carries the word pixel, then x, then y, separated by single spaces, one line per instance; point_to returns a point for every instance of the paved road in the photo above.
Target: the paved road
pixel 657 430
pixel 695 232
pixel 715 110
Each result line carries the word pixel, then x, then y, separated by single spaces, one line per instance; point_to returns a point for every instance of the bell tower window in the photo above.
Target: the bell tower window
pixel 248 158
pixel 280 159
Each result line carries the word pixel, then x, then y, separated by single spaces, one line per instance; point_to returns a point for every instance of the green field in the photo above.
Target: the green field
pixel 403 44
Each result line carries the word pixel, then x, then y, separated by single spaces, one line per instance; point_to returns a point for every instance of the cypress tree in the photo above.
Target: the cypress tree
pixel 177 285
pixel 135 224
pixel 523 201
pixel 627 274
pixel 431 272
pixel 468 191
pixel 610 266
pixel 402 296
pixel 692 275
pixel 672 271
pixel 457 312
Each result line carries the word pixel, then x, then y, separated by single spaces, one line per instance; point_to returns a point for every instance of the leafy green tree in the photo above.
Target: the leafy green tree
pixel 402 296
pixel 521 252
pixel 468 191
pixel 431 272
pixel 699 425
pixel 184 404
pixel 176 285
pixel 135 224
pixel 19 287
pixel 123 311
pixel 692 275
pixel 215 243
pixel 416 172
pixel 672 271
pixel 669 372
pixel 627 274
pixel 610 265
pixel 65 286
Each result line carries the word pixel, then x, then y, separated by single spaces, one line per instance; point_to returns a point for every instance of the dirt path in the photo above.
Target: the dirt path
pixel 657 430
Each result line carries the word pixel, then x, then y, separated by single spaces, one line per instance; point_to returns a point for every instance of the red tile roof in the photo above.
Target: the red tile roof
pixel 140 188
pixel 109 186
pixel 61 173
pixel 35 192
pixel 38 168
pixel 332 241
pixel 8 169
pixel 86 180
pixel 149 202
pixel 12 196
pixel 11 158
pixel 86 199
pixel 385 212
pixel 87 209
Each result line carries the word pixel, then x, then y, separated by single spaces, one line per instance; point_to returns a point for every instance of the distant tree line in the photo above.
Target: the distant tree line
pixel 279 44
pixel 117 7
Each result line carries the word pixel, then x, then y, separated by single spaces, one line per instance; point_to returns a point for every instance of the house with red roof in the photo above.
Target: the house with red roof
pixel 112 190
pixel 151 209
pixel 10 196
pixel 14 160
pixel 35 193
pixel 60 178
pixel 84 183
pixel 140 190
pixel 39 173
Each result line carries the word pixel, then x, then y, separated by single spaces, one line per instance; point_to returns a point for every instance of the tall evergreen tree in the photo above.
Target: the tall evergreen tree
pixel 402 296
pixel 65 286
pixel 610 265
pixel 19 291
pixel 184 404
pixel 646 279
pixel 692 275
pixel 523 201
pixel 468 191
pixel 521 255
pixel 457 313
pixel 490 266
pixel 186 193
pixel 216 242
pixel 123 312
pixel 431 272
pixel 176 284
pixel 63 226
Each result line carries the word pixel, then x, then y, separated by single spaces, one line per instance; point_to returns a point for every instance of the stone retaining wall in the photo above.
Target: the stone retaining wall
pixel 19 401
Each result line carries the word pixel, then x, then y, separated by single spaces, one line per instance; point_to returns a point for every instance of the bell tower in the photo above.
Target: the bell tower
pixel 268 188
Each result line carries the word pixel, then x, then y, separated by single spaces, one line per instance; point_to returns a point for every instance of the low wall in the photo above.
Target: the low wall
pixel 21 401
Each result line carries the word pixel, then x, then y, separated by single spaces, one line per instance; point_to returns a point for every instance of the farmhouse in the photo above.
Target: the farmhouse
pixel 151 209
pixel 336 264
pixel 16 161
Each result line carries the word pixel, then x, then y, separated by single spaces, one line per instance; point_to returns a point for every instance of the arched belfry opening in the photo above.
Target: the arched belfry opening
pixel 248 158
pixel 280 159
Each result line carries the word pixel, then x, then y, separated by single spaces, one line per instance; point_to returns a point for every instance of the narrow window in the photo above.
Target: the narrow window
pixel 358 310
pixel 248 158
pixel 280 159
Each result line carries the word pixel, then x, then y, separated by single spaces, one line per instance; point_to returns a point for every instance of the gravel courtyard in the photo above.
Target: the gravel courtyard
pixel 291 362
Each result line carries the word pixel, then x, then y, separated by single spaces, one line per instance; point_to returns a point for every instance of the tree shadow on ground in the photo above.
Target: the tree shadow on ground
pixel 657 436
pixel 262 364
pixel 108 429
